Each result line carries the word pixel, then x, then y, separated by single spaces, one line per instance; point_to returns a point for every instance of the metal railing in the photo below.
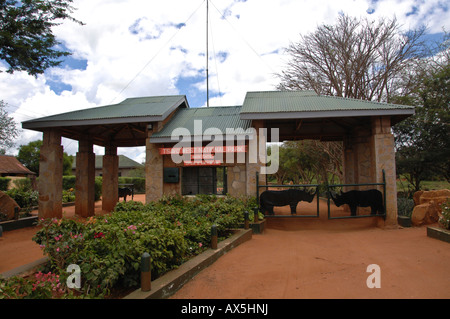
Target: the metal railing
pixel 357 185
pixel 287 186
pixel 316 186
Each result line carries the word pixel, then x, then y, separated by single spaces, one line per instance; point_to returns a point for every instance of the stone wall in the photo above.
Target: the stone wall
pixel 237 180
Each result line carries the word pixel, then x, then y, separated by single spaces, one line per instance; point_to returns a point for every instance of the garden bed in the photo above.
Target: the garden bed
pixel 108 248
pixel 19 223
pixel 439 233
pixel 168 284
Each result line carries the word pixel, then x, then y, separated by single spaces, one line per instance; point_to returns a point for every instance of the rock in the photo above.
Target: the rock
pixel 425 214
pixel 437 196
pixel 416 197
pixel 7 205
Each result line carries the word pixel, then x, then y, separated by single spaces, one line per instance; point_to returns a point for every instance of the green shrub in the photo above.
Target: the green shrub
pixel 69 182
pixel 98 187
pixel 405 206
pixel 4 181
pixel 24 198
pixel 68 196
pixel 108 248
pixel 138 182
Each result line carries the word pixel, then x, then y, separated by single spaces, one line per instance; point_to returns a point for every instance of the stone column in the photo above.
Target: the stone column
pixel 358 159
pixel 154 164
pixel 358 164
pixel 85 180
pixel 110 186
pixel 384 159
pixel 50 176
pixel 254 162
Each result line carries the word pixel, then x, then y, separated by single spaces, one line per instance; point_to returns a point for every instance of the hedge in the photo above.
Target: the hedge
pixel 4 181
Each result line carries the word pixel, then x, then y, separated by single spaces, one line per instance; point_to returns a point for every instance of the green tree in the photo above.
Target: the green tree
pixel 309 161
pixel 27 42
pixel 29 156
pixel 423 140
pixel 8 130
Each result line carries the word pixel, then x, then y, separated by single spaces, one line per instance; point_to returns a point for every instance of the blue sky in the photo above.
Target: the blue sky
pixel 132 48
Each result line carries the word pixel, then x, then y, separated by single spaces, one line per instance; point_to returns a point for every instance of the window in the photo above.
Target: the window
pixel 204 180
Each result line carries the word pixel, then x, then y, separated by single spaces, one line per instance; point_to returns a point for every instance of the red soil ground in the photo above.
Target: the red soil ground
pixel 303 258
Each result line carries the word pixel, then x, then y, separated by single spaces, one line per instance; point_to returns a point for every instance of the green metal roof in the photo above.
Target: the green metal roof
pixel 301 104
pixel 221 118
pixel 155 108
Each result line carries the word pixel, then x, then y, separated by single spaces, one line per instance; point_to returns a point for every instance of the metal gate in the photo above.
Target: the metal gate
pixel 383 184
pixel 258 187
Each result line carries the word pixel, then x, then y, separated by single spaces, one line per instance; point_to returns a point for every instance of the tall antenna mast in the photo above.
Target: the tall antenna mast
pixel 207 54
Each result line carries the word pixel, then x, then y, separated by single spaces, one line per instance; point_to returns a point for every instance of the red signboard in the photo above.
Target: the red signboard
pixel 203 163
pixel 203 150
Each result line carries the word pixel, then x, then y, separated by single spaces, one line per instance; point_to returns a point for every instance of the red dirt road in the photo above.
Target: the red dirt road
pixel 304 258
pixel 320 258
pixel 327 263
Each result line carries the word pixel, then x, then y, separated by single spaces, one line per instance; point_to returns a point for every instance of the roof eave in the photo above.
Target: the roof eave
pixel 324 114
pixel 40 125
pixel 205 138
pixel 47 122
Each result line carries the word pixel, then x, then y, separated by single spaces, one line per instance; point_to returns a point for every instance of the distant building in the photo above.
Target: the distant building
pixel 10 166
pixel 126 165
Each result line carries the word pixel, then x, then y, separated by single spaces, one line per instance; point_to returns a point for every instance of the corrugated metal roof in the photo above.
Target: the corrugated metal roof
pixel 211 117
pixel 155 106
pixel 308 101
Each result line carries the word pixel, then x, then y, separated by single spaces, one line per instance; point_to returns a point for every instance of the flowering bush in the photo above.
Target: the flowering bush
pixel 108 248
pixel 444 220
pixel 40 286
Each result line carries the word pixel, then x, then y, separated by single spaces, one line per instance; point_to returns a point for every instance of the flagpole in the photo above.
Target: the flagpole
pixel 207 54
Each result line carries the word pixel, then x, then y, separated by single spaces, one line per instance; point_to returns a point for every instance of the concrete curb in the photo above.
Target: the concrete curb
pixel 168 284
pixel 24 269
pixel 439 233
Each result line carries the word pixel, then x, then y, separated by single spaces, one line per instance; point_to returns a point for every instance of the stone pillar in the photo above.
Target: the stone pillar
pixel 384 159
pixel 154 164
pixel 236 180
pixel 50 176
pixel 358 163
pixel 110 185
pixel 254 161
pixel 358 160
pixel 85 180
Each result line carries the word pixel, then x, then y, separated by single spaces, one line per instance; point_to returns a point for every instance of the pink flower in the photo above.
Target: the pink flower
pixel 200 245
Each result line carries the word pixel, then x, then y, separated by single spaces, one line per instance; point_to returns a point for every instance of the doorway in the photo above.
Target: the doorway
pixel 204 180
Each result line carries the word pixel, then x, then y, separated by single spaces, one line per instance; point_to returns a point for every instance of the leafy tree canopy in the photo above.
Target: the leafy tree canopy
pixel 27 42
pixel 29 156
pixel 423 140
pixel 8 130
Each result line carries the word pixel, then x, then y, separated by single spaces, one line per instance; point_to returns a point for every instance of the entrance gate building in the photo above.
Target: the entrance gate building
pixel 363 127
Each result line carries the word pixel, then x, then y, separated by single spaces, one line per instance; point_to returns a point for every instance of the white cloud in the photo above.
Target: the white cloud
pixel 141 48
